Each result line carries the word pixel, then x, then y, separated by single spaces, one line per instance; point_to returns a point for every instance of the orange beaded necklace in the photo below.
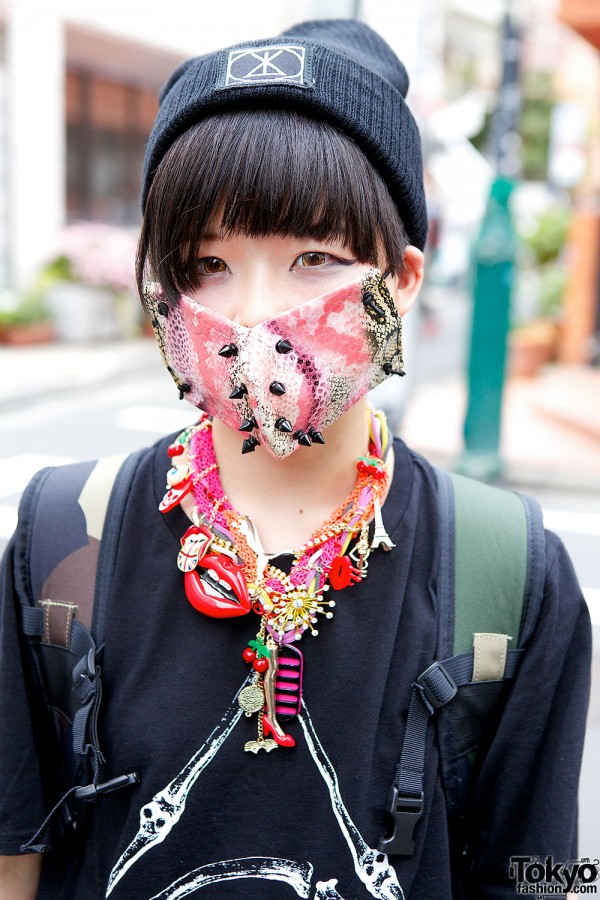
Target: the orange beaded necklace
pixel 227 573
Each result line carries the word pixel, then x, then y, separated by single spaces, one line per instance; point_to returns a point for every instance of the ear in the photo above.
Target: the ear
pixel 407 284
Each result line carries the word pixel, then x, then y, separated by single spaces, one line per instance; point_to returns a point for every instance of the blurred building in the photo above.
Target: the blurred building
pixel 580 86
pixel 78 94
pixel 78 89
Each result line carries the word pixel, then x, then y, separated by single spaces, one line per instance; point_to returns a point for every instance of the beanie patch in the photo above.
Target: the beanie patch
pixel 275 64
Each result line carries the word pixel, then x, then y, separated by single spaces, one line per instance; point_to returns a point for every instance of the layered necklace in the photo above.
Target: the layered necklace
pixel 226 572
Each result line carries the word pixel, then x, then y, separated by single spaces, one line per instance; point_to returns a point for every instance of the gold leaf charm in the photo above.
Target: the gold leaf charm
pixel 255 746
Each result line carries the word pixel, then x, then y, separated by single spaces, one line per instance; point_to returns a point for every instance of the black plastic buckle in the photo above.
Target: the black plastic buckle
pixel 406 812
pixel 84 677
pixel 438 686
pixel 95 791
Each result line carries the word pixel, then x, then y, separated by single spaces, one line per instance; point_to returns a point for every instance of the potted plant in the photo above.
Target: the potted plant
pixel 534 336
pixel 90 281
pixel 24 321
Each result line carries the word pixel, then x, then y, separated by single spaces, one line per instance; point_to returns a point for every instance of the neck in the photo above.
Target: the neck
pixel 289 499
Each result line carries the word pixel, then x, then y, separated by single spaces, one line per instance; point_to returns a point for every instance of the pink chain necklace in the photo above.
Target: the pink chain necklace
pixel 227 574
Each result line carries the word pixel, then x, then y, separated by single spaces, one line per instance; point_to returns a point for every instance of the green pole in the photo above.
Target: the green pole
pixel 493 275
pixel 494 255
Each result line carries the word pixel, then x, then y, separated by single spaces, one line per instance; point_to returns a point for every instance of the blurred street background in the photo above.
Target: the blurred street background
pixel 503 352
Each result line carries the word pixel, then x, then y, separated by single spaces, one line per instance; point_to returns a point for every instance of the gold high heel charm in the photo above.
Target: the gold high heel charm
pixel 380 536
pixel 260 697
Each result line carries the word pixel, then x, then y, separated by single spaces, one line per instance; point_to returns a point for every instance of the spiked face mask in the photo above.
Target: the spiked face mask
pixel 282 382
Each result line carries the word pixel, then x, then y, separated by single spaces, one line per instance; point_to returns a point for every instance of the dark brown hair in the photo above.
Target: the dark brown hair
pixel 270 172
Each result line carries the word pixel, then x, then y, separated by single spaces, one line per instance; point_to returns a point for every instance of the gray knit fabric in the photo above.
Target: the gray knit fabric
pixel 339 70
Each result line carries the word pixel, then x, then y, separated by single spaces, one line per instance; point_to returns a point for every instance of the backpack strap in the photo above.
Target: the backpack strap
pixel 70 519
pixel 496 540
pixel 490 586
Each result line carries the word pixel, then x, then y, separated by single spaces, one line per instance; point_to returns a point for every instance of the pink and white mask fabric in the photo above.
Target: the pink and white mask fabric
pixel 283 381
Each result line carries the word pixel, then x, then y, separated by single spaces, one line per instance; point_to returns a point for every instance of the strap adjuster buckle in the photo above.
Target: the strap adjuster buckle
pixel 94 791
pixel 406 812
pixel 84 677
pixel 437 685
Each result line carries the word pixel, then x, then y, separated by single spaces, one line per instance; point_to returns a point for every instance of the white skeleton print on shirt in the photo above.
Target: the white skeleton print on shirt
pixel 162 814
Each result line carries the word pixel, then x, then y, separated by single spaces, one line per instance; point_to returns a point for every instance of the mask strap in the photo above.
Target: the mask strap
pixel 386 274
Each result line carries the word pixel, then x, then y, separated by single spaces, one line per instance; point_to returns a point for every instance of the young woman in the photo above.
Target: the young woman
pixel 284 222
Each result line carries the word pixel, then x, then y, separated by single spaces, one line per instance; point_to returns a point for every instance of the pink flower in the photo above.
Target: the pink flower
pixel 100 255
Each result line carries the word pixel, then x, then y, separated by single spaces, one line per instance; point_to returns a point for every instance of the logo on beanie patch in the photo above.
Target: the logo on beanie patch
pixel 276 64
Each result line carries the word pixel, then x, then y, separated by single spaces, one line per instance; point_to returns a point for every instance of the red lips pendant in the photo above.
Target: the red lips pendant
pixel 220 591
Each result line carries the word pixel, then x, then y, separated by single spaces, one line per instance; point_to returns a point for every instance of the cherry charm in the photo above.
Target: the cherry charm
pixel 175 450
pixel 258 654
pixel 367 465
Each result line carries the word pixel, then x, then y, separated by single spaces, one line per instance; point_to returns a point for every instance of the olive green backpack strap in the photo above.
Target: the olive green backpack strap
pixel 489 591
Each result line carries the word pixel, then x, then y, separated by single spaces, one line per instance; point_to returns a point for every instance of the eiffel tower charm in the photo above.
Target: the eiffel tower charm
pixel 380 536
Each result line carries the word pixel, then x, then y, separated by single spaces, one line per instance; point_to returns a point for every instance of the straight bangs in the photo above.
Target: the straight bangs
pixel 264 172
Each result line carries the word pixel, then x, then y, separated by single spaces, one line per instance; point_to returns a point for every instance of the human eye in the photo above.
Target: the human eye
pixel 319 259
pixel 313 259
pixel 211 265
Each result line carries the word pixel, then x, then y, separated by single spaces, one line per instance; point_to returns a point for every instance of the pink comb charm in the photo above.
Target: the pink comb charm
pixel 288 682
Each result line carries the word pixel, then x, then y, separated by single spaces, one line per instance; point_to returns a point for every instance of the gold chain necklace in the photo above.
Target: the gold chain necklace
pixel 227 573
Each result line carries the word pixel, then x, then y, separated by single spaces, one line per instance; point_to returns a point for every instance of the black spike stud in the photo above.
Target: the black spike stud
pixel 283 424
pixel 248 424
pixel 389 369
pixel 302 438
pixel 315 436
pixel 184 388
pixel 238 392
pixel 228 350
pixel 277 388
pixel 283 346
pixel 163 308
pixel 250 444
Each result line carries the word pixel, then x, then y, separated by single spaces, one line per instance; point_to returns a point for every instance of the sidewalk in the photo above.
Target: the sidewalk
pixel 31 373
pixel 551 424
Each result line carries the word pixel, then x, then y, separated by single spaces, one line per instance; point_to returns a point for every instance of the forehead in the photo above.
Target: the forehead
pixel 271 243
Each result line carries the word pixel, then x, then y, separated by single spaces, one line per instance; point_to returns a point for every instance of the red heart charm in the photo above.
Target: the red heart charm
pixel 342 573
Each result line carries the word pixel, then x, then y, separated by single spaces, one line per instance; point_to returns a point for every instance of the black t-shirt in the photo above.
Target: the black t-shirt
pixel 304 821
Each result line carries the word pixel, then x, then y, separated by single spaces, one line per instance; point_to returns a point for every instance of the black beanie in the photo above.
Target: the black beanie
pixel 338 70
